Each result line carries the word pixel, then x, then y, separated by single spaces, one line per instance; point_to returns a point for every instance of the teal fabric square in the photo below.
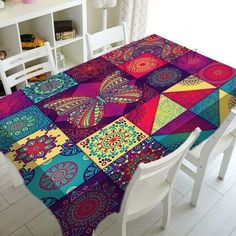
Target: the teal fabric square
pixel 230 86
pixel 56 178
pixel 20 125
pixel 47 88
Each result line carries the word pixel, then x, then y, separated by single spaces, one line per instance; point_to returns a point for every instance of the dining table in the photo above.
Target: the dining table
pixel 78 137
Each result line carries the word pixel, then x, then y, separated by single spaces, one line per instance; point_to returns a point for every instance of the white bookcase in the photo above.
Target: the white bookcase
pixel 38 19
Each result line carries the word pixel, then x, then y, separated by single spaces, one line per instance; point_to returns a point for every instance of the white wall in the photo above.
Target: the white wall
pixel 208 25
pixel 95 17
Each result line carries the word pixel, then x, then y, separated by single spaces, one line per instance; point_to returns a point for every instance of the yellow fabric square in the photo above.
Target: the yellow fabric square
pixel 37 148
pixel 112 141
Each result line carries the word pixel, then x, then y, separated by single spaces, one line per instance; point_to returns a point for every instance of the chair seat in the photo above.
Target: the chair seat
pixel 146 198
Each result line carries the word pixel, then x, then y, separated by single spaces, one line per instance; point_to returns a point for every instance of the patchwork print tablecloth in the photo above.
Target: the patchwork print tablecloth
pixel 78 137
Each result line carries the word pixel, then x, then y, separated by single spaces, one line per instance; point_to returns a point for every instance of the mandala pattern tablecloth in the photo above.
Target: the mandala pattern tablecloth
pixel 78 137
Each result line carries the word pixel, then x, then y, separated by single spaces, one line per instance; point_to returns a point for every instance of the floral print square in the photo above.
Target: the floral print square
pixel 45 89
pixel 112 141
pixel 142 65
pixel 20 125
pixel 37 148
pixel 80 211
pixel 60 175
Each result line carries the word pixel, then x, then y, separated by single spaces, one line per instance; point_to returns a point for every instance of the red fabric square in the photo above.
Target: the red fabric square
pixel 142 65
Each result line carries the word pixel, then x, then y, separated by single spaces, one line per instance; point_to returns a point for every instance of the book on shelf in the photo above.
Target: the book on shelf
pixel 63 26
pixel 65 35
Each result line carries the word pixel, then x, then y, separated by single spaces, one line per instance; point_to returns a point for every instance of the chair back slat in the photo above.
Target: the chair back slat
pixel 155 172
pixel 18 77
pixel 104 38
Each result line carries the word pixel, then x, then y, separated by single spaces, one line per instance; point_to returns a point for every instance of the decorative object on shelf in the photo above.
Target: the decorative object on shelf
pixel 64 30
pixel 28 1
pixel 38 78
pixel 28 41
pixel 61 60
pixel 2 4
pixel 3 54
pixel 104 4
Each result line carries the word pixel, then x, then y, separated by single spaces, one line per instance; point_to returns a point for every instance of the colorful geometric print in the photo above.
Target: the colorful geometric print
pixel 80 211
pixel 94 71
pixel 20 125
pixel 191 62
pixel 216 73
pixel 14 103
pixel 111 142
pixel 45 89
pixel 37 148
pixel 166 111
pixel 142 65
pixel 230 87
pixel 165 77
pixel 124 167
pixel 58 176
pixel 84 112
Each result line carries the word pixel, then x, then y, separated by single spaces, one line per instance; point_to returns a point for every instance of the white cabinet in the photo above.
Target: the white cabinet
pixel 38 19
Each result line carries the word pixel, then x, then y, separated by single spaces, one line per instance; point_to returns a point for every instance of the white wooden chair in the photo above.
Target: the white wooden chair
pixel 103 39
pixel 222 141
pixel 21 77
pixel 151 184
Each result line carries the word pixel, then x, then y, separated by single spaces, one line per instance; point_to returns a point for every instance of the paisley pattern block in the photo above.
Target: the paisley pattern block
pixel 58 176
pixel 166 111
pixel 80 211
pixel 124 167
pixel 84 112
pixel 20 125
pixel 36 148
pixel 191 62
pixel 93 71
pixel 111 142
pixel 45 89
pixel 216 73
pixel 142 65
pixel 14 103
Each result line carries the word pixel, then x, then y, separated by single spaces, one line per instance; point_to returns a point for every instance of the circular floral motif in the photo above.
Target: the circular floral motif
pixel 217 73
pixel 113 140
pixel 152 48
pixel 49 86
pixel 164 76
pixel 142 65
pixel 86 208
pixel 58 175
pixel 191 80
pixel 17 126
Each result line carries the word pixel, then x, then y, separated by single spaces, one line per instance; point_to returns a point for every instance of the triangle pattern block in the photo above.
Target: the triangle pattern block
pixel 227 102
pixel 208 108
pixel 143 116
pixel 190 83
pixel 230 87
pixel 189 98
pixel 186 122
pixel 167 111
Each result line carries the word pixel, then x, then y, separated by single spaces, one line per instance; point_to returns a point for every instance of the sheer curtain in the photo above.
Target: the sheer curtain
pixel 134 13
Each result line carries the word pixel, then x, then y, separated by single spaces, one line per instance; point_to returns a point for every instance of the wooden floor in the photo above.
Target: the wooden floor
pixel 21 214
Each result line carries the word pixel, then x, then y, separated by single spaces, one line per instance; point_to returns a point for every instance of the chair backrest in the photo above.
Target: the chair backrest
pixel 23 75
pixel 102 39
pixel 164 169
pixel 222 138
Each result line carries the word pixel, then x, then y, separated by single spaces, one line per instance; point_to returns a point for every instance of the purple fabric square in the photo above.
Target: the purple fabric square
pixel 13 103
pixel 81 210
pixel 191 62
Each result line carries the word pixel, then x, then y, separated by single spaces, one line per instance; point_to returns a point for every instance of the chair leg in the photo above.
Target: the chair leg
pixel 198 181
pixel 166 210
pixel 226 160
